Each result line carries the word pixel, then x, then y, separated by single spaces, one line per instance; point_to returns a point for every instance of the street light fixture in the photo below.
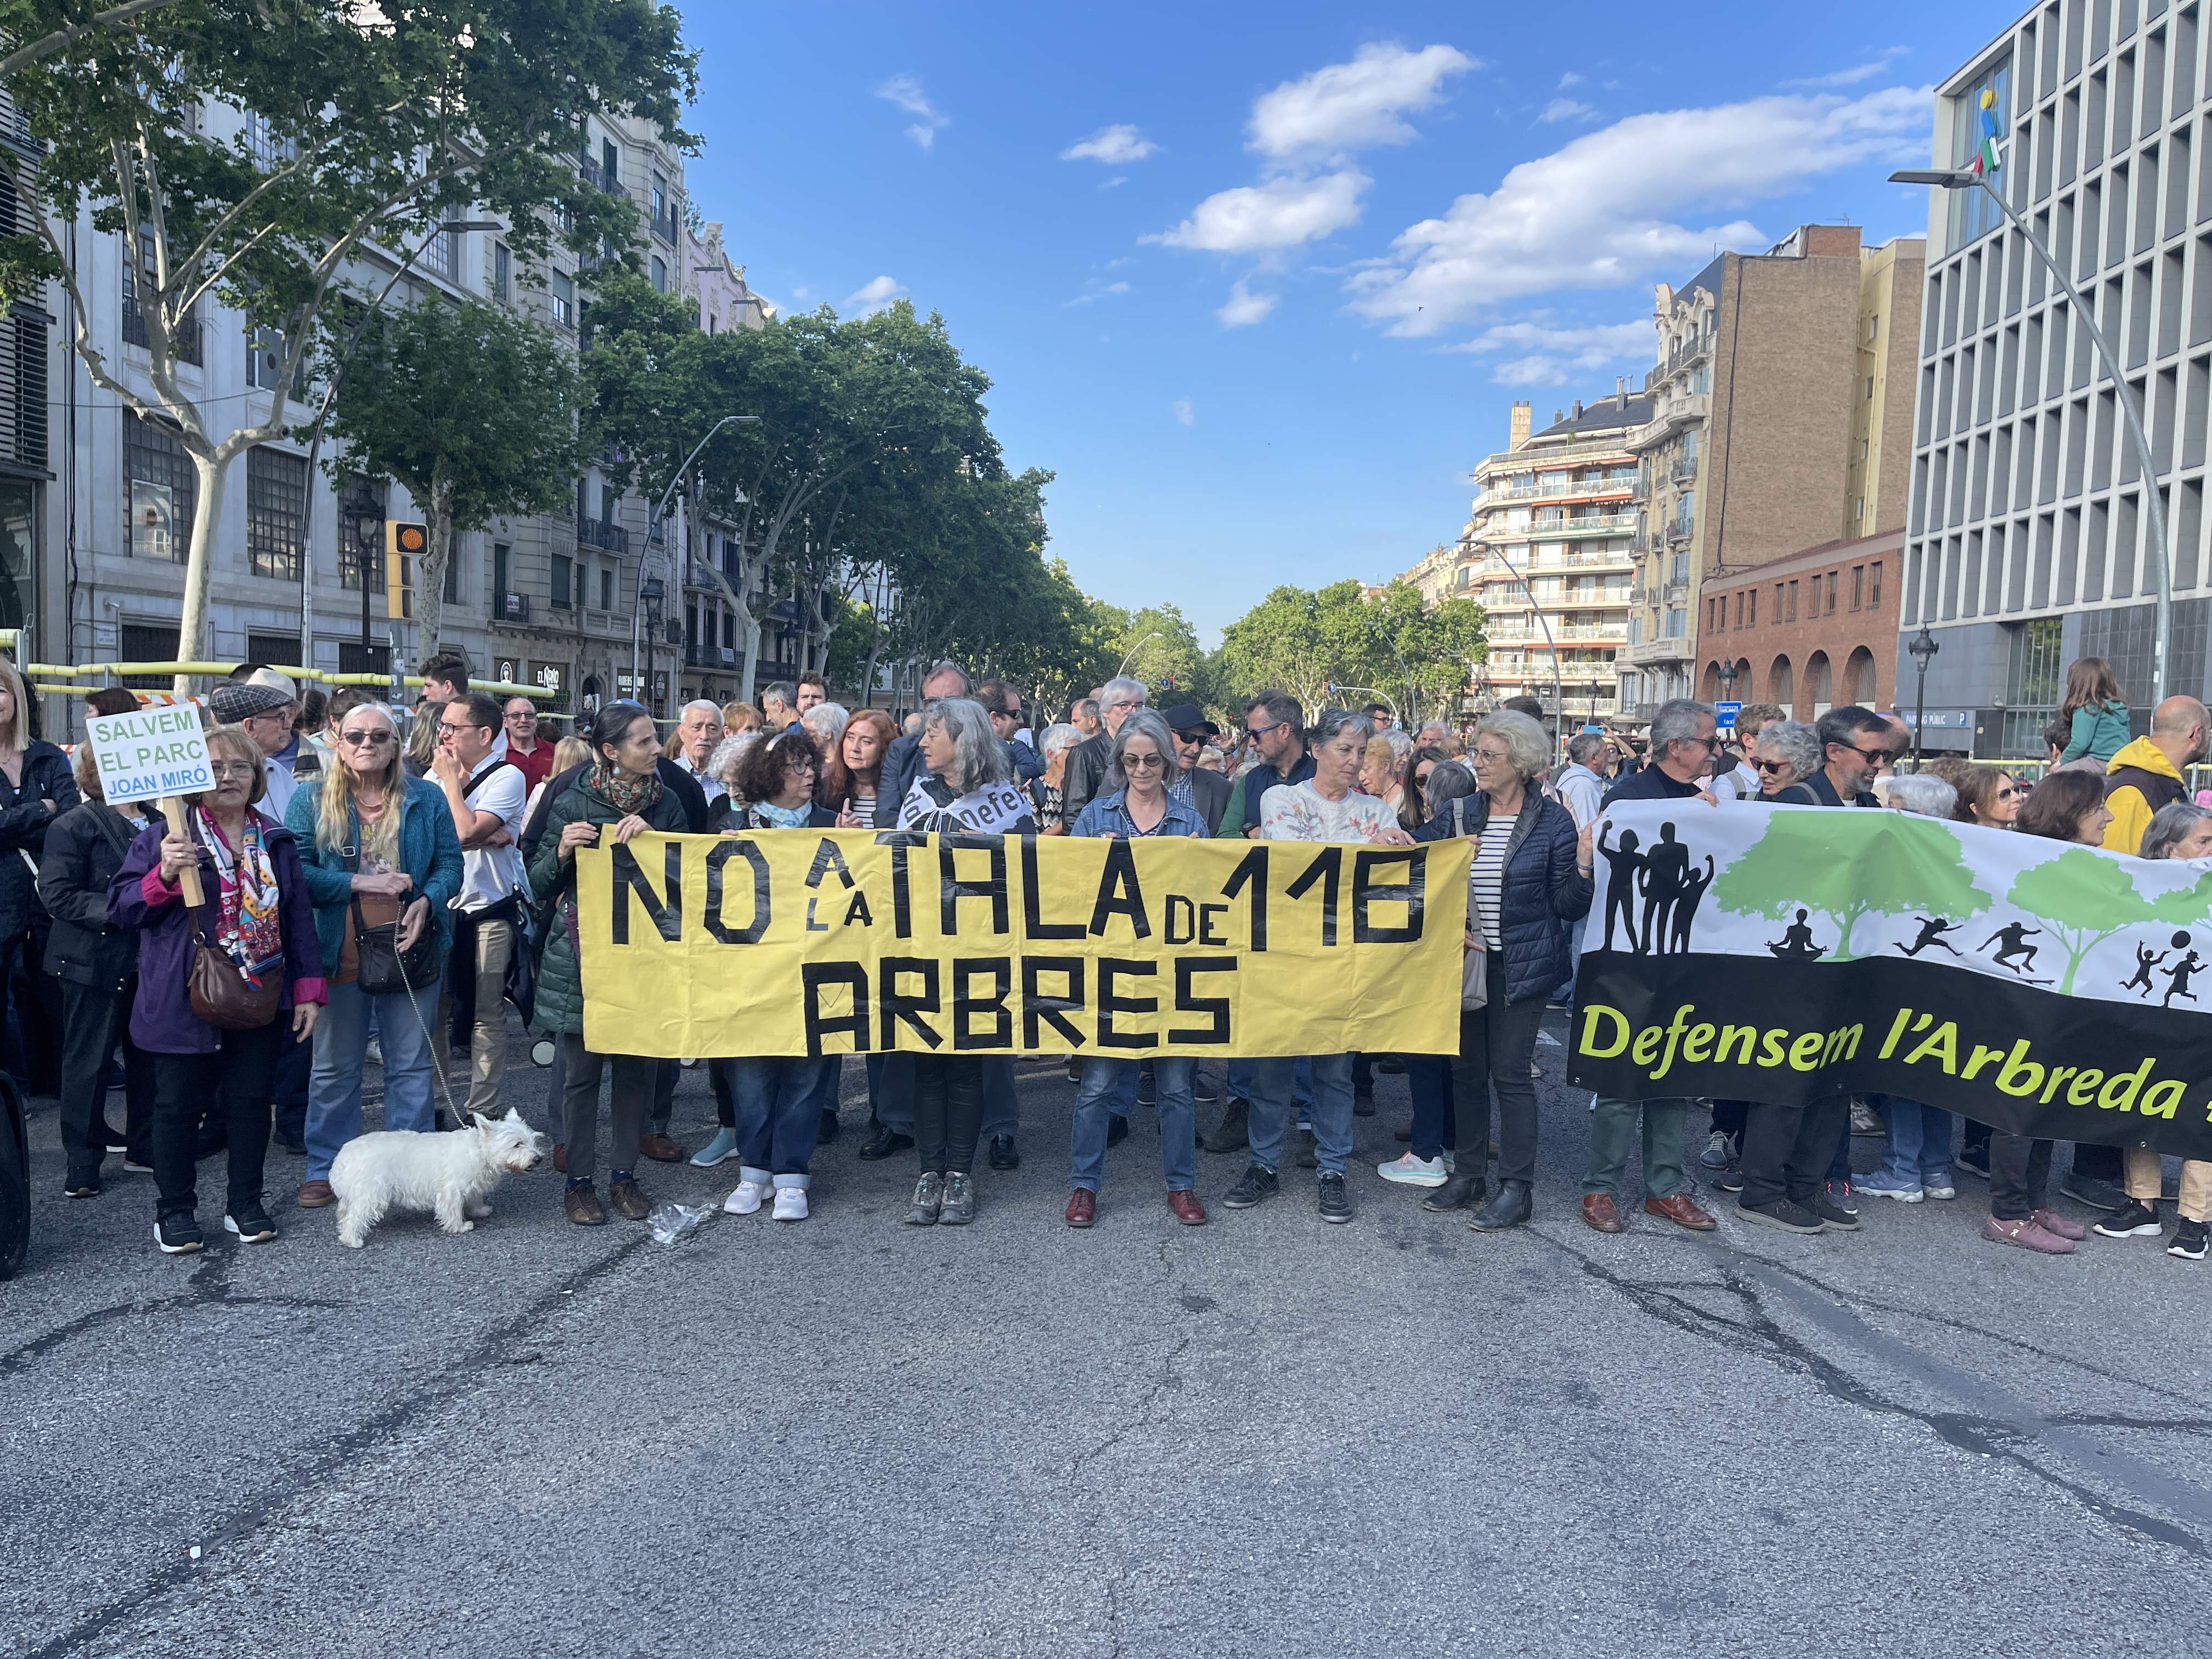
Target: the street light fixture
pixel 1969 179
pixel 1923 648
pixel 653 524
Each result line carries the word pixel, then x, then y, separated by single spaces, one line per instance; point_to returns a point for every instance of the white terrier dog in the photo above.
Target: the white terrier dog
pixel 446 1174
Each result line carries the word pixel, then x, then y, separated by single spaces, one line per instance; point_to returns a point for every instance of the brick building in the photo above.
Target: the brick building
pixel 1808 632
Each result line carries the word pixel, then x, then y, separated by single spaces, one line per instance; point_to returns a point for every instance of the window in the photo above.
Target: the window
pixel 607 588
pixel 1833 576
pixel 501 557
pixel 281 648
pixel 1678 623
pixel 269 151
pixel 275 501
pixel 441 255
pixel 1860 513
pixel 185 343
pixel 563 290
pixel 452 586
pixel 360 536
pixel 1870 388
pixel 1977 138
pixel 1874 327
pixel 660 197
pixel 660 275
pixel 1858 585
pixel 1793 602
pixel 147 642
pixel 502 272
pixel 561 581
pixel 163 490
pixel 1873 587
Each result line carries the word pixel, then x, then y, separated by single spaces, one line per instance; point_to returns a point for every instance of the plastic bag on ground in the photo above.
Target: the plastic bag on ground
pixel 672 1222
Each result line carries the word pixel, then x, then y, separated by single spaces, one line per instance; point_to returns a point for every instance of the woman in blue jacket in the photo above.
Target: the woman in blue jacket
pixel 1530 878
pixel 378 846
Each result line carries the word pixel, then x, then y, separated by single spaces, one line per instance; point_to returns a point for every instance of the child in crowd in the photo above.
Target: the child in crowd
pixel 2095 712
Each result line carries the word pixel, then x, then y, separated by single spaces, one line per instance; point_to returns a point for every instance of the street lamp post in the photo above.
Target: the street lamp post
pixel 637 617
pixel 1558 695
pixel 1923 648
pixel 1133 649
pixel 1968 178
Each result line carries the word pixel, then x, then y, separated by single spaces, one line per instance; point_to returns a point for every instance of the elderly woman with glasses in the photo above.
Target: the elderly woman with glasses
pixel 380 849
pixel 967 787
pixel 1137 804
pixel 1529 882
pixel 1787 753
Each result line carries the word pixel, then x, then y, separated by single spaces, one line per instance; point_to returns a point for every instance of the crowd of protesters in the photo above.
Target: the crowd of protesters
pixel 387 883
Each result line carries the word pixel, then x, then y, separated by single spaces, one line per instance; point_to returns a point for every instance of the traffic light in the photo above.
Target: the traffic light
pixel 404 543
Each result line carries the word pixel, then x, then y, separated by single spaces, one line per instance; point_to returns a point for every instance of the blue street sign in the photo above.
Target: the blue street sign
pixel 1724 715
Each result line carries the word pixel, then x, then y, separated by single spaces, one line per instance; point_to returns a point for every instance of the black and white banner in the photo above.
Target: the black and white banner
pixel 1787 953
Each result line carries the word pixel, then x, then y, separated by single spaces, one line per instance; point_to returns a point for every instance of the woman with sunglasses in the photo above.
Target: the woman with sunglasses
pixel 1787 753
pixel 378 848
pixel 1986 797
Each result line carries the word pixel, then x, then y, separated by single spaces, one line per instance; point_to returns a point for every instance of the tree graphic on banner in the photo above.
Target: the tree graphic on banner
pixel 2084 898
pixel 1911 866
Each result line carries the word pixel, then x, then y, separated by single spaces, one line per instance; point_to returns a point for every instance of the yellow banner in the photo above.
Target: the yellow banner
pixel 851 941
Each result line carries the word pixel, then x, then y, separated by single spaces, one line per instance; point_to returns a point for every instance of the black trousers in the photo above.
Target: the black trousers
pixel 233 1083
pixel 2020 1174
pixel 948 1111
pixel 296 1063
pixel 93 1022
pixel 1728 1119
pixel 2096 1164
pixel 1787 1149
pixel 1495 1044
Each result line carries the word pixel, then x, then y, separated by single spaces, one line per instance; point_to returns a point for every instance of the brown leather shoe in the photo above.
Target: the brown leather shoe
pixel 1681 1209
pixel 1187 1208
pixel 661 1149
pixel 560 1158
pixel 314 1194
pixel 582 1205
pixel 1082 1207
pixel 1600 1211
pixel 629 1200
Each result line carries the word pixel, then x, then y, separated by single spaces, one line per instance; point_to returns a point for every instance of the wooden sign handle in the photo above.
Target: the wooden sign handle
pixel 173 810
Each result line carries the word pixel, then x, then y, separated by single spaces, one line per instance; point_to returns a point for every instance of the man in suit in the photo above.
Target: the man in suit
pixel 902 762
pixel 1207 792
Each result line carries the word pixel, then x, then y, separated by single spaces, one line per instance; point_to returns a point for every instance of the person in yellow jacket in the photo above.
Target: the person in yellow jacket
pixel 2146 775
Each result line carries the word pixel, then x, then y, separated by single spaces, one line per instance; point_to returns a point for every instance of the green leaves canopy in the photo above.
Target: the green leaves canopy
pixel 1305 642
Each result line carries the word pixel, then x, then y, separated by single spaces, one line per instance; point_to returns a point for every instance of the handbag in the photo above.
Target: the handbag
pixel 219 992
pixel 1474 966
pixel 383 966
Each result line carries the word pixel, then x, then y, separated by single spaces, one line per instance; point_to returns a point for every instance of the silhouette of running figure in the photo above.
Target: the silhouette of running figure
pixel 1796 944
pixel 1622 864
pixel 1665 868
pixel 2145 961
pixel 1932 929
pixel 2185 968
pixel 1685 908
pixel 2015 937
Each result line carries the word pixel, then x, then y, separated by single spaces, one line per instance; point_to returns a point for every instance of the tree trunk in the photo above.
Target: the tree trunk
pixel 430 574
pixel 192 644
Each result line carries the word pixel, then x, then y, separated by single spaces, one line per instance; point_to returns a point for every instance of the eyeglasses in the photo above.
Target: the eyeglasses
pixel 367 739
pixel 1771 766
pixel 460 725
pixel 1874 755
pixel 2010 790
pixel 1262 731
pixel 233 768
pixel 1492 756
pixel 1142 763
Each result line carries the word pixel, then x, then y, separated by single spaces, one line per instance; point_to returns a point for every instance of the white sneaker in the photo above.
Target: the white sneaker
pixel 746 1198
pixel 791 1204
pixel 1411 1171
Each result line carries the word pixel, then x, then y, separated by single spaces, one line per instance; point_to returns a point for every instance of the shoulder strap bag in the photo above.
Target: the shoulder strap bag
pixel 219 991
pixel 383 966
pixel 1475 965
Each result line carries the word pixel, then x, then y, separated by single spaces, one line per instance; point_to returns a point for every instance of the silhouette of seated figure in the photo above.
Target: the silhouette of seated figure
pixel 1796 944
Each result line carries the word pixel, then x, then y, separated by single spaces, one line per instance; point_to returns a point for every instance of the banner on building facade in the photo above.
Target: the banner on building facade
pixel 1789 953
pixel 809 942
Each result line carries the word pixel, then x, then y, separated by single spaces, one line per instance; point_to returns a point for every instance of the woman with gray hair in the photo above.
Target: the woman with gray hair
pixel 1788 753
pixel 1918 792
pixel 1531 880
pixel 2178 830
pixel 827 722
pixel 1137 804
pixel 966 788
pixel 1055 745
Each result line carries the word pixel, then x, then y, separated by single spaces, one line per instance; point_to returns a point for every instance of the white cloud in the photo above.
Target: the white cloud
pixel 1279 213
pixel 1115 182
pixel 1565 109
pixel 1245 307
pixel 1855 74
pixel 1552 355
pixel 1116 146
pixel 1601 212
pixel 1569 79
pixel 905 91
pixel 1182 409
pixel 874 295
pixel 1111 289
pixel 1345 106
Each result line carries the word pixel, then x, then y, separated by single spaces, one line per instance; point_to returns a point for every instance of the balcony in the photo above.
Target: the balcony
pixel 510 608
pixel 597 177
pixel 609 537
pixel 664 226
pixel 1658 651
pixel 1680 530
pixel 1684 471
pixel 1603 524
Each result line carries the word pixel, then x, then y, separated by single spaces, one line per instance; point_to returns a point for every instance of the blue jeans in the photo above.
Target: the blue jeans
pixel 1110 1086
pixel 341 1047
pixel 1272 1084
pixel 1238 1082
pixel 776 1104
pixel 1919 1143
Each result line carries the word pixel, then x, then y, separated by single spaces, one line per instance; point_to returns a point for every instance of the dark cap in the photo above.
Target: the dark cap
pixel 1187 717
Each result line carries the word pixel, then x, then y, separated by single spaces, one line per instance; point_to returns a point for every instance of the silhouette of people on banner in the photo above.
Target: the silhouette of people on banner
pixel 1796 944
pixel 1932 929
pixel 2017 953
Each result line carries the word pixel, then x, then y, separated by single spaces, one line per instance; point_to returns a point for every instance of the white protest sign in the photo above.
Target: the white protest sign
pixel 149 753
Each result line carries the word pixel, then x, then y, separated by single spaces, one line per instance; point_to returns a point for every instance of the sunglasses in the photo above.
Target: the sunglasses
pixel 365 739
pixel 1141 763
pixel 1771 766
pixel 2010 791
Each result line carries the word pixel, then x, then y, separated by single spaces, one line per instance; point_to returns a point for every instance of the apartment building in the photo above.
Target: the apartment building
pixel 2030 542
pixel 1773 428
pixel 96 565
pixel 1806 632
pixel 1545 553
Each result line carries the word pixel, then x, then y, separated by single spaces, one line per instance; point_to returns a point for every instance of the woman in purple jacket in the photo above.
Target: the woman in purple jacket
pixel 256 910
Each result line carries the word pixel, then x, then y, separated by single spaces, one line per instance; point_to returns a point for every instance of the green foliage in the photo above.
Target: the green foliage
pixel 1161 648
pixel 470 406
pixel 1417 657
pixel 2084 897
pixel 1922 866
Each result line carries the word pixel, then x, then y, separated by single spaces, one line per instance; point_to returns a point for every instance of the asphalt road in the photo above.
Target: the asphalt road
pixel 1266 1436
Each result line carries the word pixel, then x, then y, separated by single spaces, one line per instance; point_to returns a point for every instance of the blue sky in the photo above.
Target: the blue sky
pixel 1259 283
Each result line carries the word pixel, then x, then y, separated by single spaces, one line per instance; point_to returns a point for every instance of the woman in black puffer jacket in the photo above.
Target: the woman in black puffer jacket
pixel 35 789
pixel 1531 878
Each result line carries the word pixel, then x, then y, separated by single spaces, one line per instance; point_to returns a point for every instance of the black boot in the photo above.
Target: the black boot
pixel 1463 1186
pixel 885 1142
pixel 1511 1207
pixel 1234 1133
pixel 1005 1154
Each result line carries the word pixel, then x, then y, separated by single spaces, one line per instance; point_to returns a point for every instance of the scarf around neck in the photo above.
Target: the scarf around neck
pixel 626 793
pixel 247 925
